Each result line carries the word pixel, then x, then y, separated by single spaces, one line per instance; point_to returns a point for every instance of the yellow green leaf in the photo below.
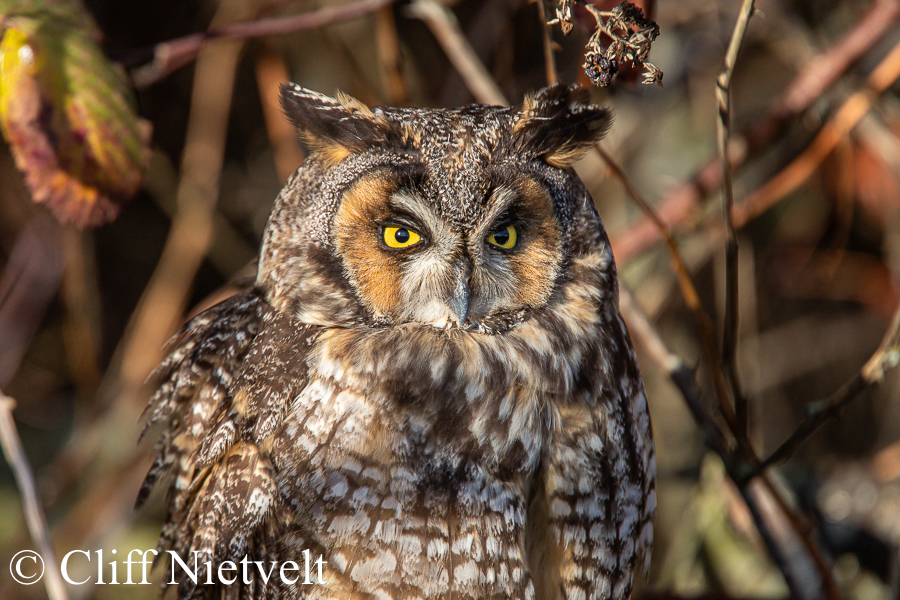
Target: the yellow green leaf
pixel 67 111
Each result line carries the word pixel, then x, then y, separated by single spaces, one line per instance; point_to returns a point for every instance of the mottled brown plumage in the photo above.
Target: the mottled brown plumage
pixel 430 385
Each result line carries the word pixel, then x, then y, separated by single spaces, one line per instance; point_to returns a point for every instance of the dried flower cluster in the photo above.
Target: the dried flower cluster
pixel 631 35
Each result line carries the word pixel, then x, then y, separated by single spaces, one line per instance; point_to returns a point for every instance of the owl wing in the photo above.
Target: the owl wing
pixel 595 495
pixel 222 391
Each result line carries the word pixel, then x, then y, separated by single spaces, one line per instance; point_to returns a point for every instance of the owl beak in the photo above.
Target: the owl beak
pixel 460 299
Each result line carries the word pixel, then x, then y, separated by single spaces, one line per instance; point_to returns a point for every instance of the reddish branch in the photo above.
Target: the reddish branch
pixel 168 56
pixel 821 73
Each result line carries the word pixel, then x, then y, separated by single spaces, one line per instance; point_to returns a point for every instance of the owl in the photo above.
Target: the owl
pixel 429 392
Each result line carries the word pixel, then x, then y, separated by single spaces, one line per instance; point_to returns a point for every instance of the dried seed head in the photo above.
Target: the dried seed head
pixel 564 16
pixel 599 69
pixel 631 34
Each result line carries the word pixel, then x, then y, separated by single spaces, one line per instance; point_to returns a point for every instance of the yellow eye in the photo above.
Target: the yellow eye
pixel 505 238
pixel 400 237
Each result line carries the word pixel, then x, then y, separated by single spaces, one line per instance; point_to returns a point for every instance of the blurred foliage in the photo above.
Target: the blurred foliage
pixel 67 112
pixel 818 273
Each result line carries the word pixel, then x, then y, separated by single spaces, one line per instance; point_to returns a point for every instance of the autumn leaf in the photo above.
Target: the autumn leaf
pixel 67 111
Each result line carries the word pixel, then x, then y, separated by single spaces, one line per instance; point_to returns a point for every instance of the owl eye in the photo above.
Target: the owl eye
pixel 400 237
pixel 505 238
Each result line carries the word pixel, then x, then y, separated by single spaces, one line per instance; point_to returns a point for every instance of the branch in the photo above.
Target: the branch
pixel 718 441
pixel 445 28
pixel 547 42
pixel 744 454
pixel 166 57
pixel 732 317
pixel 686 285
pixel 646 336
pixel 807 87
pixel 673 366
pixel 844 120
pixel 34 516
pixel 480 83
pixel 739 458
pixel 164 299
pixel 885 358
pixel 752 498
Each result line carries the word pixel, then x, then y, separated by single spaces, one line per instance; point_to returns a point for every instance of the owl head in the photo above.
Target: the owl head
pixel 460 218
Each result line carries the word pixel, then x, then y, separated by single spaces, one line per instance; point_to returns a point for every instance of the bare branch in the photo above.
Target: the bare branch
pixel 682 376
pixel 743 453
pixel 168 56
pixel 647 337
pixel 547 41
pixel 686 285
pixel 165 298
pixel 34 515
pixel 844 120
pixel 445 28
pixel 732 317
pixel 806 88
pixel 886 357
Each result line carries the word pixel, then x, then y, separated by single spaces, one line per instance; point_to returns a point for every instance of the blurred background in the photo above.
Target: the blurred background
pixel 84 312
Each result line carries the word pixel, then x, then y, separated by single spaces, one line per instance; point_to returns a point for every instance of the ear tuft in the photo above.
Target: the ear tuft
pixel 559 125
pixel 335 128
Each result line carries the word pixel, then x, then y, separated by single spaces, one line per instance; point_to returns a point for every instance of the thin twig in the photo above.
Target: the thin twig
pixel 445 28
pixel 829 66
pixel 480 84
pixel 745 453
pixel 741 458
pixel 845 119
pixel 775 549
pixel 600 17
pixel 807 88
pixel 686 285
pixel 808 538
pixel 729 358
pixel 547 42
pixel 34 515
pixel 168 56
pixel 732 316
pixel 885 358
pixel 647 337
pixel 677 370
pixel 165 298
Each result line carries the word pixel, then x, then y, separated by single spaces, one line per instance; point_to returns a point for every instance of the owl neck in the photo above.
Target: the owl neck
pixel 488 395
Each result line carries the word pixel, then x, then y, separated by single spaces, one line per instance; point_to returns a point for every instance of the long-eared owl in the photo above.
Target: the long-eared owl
pixel 429 388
